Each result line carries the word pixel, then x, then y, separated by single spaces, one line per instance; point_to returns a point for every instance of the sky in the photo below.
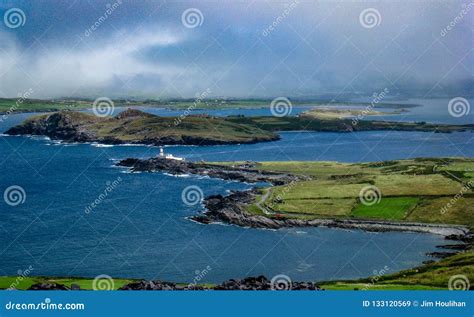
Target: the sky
pixel 236 49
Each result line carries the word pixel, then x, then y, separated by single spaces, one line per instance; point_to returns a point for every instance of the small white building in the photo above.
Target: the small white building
pixel 168 156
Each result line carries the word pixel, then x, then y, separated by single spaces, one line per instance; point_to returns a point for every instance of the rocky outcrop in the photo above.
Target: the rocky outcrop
pixel 175 167
pixel 48 287
pixel 137 127
pixel 57 126
pixel 260 283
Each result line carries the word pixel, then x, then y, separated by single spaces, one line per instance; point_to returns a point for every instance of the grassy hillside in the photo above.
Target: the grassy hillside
pixel 427 277
pixel 140 127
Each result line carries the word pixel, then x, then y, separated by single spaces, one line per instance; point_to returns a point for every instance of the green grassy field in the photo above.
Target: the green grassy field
pixel 411 190
pixel 25 282
pixel 390 208
pixel 427 277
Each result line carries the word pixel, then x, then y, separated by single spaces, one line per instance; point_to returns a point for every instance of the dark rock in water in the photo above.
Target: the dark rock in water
pixel 440 255
pixel 48 287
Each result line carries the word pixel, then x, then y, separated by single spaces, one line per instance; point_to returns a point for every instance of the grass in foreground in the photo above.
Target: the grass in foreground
pixel 427 277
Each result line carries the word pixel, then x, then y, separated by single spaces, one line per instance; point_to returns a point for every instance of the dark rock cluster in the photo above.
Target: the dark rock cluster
pixel 261 283
pixel 48 287
pixel 225 172
pixel 158 286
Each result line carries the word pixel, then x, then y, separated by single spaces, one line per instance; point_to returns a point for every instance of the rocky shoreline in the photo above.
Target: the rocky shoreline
pixel 231 209
pixel 259 283
pixel 242 173
pixel 76 127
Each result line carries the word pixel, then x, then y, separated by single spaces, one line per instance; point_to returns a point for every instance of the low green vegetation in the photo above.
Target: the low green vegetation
pixel 331 113
pixel 418 190
pixel 23 283
pixel 140 127
pixel 32 105
pixel 390 208
pixel 431 276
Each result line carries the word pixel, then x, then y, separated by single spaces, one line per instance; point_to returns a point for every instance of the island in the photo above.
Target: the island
pixel 138 127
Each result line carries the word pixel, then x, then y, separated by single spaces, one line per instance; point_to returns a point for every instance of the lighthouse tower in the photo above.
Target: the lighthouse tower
pixel 162 152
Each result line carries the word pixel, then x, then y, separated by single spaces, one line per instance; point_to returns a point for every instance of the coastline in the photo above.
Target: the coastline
pixel 231 209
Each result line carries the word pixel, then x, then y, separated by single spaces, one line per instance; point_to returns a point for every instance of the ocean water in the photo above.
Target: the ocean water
pixel 140 229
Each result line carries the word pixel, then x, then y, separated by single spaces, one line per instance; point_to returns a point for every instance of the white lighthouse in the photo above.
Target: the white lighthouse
pixel 168 156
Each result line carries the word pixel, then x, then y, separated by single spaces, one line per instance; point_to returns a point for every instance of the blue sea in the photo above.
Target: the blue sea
pixel 141 230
